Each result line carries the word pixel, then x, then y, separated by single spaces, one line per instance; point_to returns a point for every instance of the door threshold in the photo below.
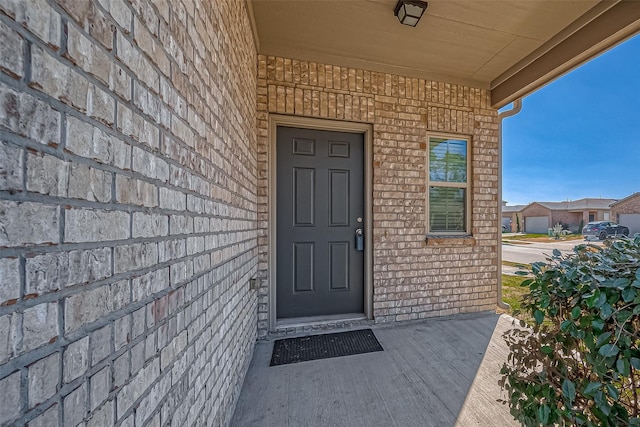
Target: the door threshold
pixel 317 323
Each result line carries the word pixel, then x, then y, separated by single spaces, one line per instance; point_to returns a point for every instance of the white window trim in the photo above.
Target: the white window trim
pixel 467 186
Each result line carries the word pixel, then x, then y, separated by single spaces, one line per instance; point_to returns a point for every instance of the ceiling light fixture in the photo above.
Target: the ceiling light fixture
pixel 409 12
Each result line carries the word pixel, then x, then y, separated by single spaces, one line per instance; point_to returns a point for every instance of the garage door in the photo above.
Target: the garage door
pixel 632 221
pixel 536 224
pixel 506 222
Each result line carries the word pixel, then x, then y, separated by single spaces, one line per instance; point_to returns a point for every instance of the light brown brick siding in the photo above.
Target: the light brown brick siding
pixel 411 279
pixel 570 219
pixel 535 210
pixel 531 211
pixel 629 206
pixel 128 172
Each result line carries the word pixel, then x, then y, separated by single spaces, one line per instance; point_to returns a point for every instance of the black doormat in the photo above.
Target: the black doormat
pixel 312 347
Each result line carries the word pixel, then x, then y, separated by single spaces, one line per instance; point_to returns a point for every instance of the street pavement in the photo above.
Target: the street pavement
pixel 526 253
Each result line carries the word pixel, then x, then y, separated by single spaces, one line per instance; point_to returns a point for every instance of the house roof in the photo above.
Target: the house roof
pixel 514 208
pixel 511 47
pixel 578 205
pixel 636 194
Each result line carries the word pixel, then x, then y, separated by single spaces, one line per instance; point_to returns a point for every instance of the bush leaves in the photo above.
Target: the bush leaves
pixel 609 350
pixel 569 390
pixel 579 363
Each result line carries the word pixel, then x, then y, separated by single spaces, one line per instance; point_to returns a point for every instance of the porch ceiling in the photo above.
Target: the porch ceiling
pixel 511 47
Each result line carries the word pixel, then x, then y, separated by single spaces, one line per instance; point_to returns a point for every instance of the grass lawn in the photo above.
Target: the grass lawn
pixel 540 238
pixel 512 292
pixel 525 236
pixel 517 264
pixel 515 242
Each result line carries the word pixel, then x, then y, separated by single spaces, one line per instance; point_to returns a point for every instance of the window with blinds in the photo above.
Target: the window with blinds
pixel 447 195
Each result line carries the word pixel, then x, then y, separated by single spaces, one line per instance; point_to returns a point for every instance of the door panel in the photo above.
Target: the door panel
pixel 304 196
pixel 338 198
pixel 303 267
pixel 320 196
pixel 536 224
pixel 339 263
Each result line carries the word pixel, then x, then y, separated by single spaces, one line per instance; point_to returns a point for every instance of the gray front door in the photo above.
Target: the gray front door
pixel 320 205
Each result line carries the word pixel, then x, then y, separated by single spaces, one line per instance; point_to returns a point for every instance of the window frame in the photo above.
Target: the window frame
pixel 467 186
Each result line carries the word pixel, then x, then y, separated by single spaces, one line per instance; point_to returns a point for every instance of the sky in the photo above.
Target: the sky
pixel 578 136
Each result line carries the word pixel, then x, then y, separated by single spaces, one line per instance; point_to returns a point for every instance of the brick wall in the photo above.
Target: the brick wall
pixel 600 215
pixel 127 210
pixel 629 205
pixel 534 209
pixel 412 279
pixel 571 219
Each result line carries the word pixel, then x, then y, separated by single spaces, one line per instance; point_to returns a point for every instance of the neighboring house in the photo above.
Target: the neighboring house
pixel 180 178
pixel 627 212
pixel 540 216
pixel 511 215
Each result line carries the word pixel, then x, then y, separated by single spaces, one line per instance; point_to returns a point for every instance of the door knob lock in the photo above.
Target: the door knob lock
pixel 359 239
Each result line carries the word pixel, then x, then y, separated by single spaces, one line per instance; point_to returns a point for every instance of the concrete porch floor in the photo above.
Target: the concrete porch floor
pixel 440 372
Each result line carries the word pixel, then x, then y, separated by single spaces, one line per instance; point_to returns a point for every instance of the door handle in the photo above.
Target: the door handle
pixel 359 240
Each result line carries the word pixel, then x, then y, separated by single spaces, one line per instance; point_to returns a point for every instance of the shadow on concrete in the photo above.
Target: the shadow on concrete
pixel 440 372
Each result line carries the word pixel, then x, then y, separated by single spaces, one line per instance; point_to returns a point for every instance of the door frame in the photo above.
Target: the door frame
pixel 364 129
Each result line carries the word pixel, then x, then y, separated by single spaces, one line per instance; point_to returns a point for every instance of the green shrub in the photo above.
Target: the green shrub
pixel 579 363
pixel 557 230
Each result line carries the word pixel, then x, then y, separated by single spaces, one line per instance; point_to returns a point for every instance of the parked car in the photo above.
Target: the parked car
pixel 604 229
pixel 504 228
